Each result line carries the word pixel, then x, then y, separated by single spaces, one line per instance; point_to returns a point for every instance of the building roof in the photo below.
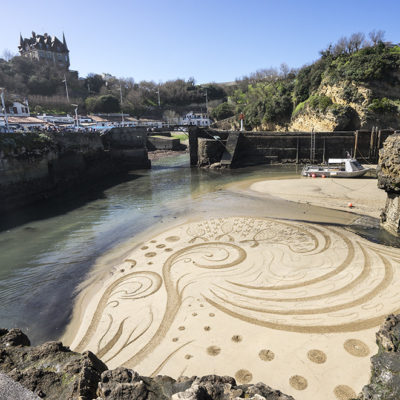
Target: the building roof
pixel 96 118
pixel 25 120
pixel 43 42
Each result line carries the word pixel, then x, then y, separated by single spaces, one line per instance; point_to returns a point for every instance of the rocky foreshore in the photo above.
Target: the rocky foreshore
pixel 53 371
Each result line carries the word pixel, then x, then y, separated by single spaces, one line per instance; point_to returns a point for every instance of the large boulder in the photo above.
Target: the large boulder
pixel 389 180
pixel 50 370
pixel 385 366
pixel 125 384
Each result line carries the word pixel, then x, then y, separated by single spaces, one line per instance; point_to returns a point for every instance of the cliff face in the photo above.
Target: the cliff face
pixel 349 106
pixel 389 180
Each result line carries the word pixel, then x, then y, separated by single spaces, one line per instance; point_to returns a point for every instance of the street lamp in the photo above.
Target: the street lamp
pixel 76 114
pixel 4 108
pixel 66 87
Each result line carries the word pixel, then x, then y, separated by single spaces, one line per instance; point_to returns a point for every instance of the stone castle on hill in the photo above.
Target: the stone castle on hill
pixel 45 48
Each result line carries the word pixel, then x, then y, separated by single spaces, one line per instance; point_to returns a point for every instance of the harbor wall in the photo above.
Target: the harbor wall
pixel 208 146
pixel 37 166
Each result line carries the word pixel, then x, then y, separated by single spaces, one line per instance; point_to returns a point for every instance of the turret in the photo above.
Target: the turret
pixel 64 42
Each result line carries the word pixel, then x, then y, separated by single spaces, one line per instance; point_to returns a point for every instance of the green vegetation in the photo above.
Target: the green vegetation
pixel 383 106
pixel 267 96
pixel 222 111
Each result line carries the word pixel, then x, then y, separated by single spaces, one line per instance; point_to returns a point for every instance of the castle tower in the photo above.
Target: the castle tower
pixel 45 48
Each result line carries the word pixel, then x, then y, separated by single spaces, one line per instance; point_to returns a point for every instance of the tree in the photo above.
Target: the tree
pixel 376 36
pixel 355 42
pixel 7 55
pixel 222 111
pixel 103 104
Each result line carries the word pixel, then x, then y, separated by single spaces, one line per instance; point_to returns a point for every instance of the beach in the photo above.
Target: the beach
pixel 289 302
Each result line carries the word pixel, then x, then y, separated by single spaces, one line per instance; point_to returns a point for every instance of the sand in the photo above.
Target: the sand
pixel 293 304
pixel 363 194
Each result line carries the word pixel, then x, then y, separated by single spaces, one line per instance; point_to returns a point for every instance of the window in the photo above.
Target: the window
pixel 15 110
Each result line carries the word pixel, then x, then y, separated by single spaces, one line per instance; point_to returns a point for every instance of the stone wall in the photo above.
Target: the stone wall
pixel 36 166
pixel 268 147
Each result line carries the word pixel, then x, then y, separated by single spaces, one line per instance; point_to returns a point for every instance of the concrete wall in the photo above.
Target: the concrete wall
pixel 163 143
pixel 275 147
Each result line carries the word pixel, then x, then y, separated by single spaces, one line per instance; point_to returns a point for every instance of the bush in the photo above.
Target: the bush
pixel 319 103
pixel 383 106
pixel 222 111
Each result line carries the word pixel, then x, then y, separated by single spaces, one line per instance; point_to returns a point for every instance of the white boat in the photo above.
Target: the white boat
pixel 336 168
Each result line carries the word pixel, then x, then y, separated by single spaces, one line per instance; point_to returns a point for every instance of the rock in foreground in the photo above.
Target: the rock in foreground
pixel 52 371
pixel 385 367
pixel 389 180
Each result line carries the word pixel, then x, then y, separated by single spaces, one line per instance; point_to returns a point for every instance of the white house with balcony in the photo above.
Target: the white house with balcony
pixel 197 119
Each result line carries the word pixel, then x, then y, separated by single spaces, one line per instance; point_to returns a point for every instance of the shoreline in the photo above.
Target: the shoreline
pixel 154 329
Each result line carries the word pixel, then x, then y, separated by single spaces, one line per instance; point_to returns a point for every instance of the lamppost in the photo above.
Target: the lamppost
pixel 66 87
pixel 76 115
pixel 120 93
pixel 4 108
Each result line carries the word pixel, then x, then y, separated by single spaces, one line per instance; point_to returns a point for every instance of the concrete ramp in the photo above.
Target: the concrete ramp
pixel 230 149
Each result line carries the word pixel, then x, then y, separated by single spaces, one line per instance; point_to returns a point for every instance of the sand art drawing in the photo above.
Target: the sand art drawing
pixel 238 295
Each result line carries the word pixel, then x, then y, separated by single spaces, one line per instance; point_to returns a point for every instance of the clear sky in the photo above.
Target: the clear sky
pixel 210 40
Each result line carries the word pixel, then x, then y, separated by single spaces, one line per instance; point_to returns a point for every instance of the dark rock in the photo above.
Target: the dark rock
pixel 388 172
pixel 124 384
pixel 51 370
pixel 13 337
pixel 385 366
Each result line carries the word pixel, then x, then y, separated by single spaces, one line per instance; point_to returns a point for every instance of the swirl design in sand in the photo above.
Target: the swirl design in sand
pixel 290 277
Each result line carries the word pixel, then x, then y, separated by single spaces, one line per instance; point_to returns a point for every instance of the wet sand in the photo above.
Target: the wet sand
pixel 291 303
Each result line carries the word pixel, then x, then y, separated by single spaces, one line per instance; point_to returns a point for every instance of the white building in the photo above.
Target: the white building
pixel 197 119
pixel 57 119
pixel 17 109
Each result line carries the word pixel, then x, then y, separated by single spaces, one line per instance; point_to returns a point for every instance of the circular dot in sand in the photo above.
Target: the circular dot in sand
pixel 236 338
pixel 150 263
pixel 201 305
pixel 211 314
pixel 243 376
pixel 181 328
pixel 316 356
pixel 160 246
pixel 194 314
pixel 153 241
pixel 207 328
pixel 151 254
pixel 266 355
pixel 168 249
pixel 144 247
pixel 172 238
pixel 356 348
pixel 298 382
pixel 343 392
pixel 122 270
pixel 213 350
pixel 175 339
pixel 188 356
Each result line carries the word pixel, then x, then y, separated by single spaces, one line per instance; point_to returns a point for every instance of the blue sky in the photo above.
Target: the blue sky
pixel 212 41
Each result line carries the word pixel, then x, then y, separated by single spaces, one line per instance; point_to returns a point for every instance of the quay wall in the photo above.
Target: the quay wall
pixel 38 166
pixel 208 146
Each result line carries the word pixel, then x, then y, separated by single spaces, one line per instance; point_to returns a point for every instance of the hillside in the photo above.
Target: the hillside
pixel 343 90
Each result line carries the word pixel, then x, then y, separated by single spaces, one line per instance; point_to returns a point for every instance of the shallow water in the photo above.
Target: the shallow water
pixel 47 250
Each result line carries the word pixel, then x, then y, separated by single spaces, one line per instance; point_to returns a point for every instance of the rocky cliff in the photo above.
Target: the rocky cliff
pixel 389 180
